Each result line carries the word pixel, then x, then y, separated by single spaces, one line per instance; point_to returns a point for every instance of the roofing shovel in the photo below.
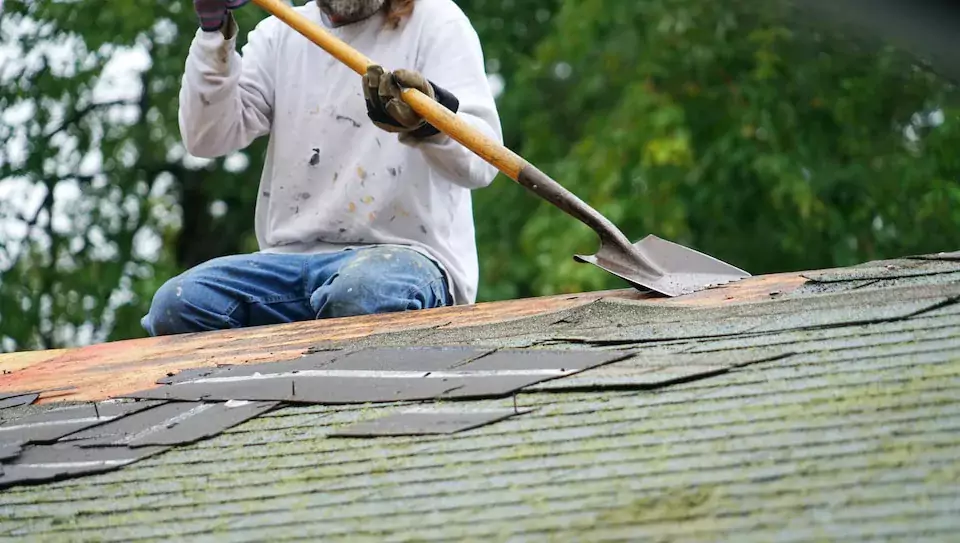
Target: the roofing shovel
pixel 652 263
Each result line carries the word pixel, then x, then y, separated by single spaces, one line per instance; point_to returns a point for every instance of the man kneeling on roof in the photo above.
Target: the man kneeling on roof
pixel 363 207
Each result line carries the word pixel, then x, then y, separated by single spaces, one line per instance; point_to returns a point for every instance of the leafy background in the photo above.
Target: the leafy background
pixel 737 128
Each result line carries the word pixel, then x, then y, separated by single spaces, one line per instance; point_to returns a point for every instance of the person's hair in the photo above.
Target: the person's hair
pixel 397 10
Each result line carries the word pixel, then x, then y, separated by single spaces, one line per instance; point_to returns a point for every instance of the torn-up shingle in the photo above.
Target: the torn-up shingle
pixel 623 377
pixel 122 433
pixel 647 371
pixel 191 373
pixel 117 431
pixel 498 386
pixel 665 331
pixel 532 359
pixel 10 449
pixel 408 358
pixel 174 423
pixel 18 399
pixel 42 463
pixel 391 379
pixel 5 395
pixel 300 388
pixel 953 255
pixel 400 359
pixel 310 362
pixel 51 425
pixel 210 423
pixel 885 269
pixel 412 423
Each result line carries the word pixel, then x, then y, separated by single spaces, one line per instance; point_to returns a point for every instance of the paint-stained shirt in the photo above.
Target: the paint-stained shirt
pixel 331 179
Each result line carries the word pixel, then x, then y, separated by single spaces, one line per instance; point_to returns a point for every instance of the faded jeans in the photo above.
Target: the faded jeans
pixel 270 288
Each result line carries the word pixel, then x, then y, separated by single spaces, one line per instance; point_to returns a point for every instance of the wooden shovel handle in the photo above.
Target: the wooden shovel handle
pixel 511 164
pixel 440 117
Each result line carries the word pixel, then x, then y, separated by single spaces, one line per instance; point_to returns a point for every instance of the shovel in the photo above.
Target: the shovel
pixel 650 264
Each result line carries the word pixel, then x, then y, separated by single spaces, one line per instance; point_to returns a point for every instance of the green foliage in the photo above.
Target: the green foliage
pixel 720 125
pixel 107 166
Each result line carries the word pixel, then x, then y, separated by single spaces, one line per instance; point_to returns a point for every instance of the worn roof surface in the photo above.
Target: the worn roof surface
pixel 817 407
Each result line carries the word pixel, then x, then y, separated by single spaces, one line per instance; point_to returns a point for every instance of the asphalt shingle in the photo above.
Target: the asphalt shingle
pixel 831 415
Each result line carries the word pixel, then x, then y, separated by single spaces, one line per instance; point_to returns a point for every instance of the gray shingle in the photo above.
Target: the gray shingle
pixel 847 430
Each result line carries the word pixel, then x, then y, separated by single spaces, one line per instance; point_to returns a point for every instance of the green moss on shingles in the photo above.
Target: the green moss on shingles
pixel 945 475
pixel 543 450
pixel 853 401
pixel 680 504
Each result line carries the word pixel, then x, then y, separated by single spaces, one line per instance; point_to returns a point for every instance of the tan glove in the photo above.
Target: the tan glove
pixel 385 107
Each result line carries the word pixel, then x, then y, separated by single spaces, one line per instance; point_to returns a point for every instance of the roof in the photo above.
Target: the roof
pixel 821 405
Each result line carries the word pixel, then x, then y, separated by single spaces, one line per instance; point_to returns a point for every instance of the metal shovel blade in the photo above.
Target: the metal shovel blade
pixel 662 266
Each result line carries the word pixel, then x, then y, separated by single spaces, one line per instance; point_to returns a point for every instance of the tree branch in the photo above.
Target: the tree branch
pixel 79 114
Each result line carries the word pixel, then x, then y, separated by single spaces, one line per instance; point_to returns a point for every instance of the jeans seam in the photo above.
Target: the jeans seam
pixel 442 279
pixel 228 313
pixel 305 279
pixel 276 299
pixel 282 300
pixel 430 284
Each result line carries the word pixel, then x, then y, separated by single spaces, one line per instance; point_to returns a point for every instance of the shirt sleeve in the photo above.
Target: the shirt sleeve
pixel 226 100
pixel 453 59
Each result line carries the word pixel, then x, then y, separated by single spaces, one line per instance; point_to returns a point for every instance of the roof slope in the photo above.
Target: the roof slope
pixel 827 412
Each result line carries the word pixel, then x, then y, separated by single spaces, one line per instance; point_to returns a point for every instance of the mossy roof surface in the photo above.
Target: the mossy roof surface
pixel 830 414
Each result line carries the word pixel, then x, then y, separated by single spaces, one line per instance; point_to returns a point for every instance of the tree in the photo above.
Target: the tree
pixel 719 125
pixel 114 204
pixel 727 127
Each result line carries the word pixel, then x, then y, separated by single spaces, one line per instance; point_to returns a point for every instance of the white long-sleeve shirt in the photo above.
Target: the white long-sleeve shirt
pixel 331 179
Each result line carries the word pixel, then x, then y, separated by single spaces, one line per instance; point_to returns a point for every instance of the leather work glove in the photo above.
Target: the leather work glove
pixel 382 91
pixel 213 13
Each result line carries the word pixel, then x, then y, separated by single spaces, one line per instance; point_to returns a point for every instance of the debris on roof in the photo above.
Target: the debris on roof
pixel 381 375
pixel 171 423
pixel 46 463
pixel 108 370
pixel 406 358
pixel 188 427
pixel 200 403
pixel 224 373
pixel 84 439
pixel 51 425
pixel 16 399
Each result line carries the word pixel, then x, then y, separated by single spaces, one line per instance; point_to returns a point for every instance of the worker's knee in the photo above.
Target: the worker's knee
pixel 381 280
pixel 166 310
pixel 187 303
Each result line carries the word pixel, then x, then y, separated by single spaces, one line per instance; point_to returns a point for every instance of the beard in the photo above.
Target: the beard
pixel 350 10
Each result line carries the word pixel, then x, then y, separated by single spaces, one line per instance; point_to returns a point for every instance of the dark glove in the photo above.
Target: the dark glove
pixel 213 13
pixel 387 110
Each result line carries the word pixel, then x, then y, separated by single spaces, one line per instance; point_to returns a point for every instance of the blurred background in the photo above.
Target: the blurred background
pixel 774 139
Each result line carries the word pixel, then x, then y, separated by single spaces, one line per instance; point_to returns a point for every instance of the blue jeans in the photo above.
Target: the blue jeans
pixel 269 288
